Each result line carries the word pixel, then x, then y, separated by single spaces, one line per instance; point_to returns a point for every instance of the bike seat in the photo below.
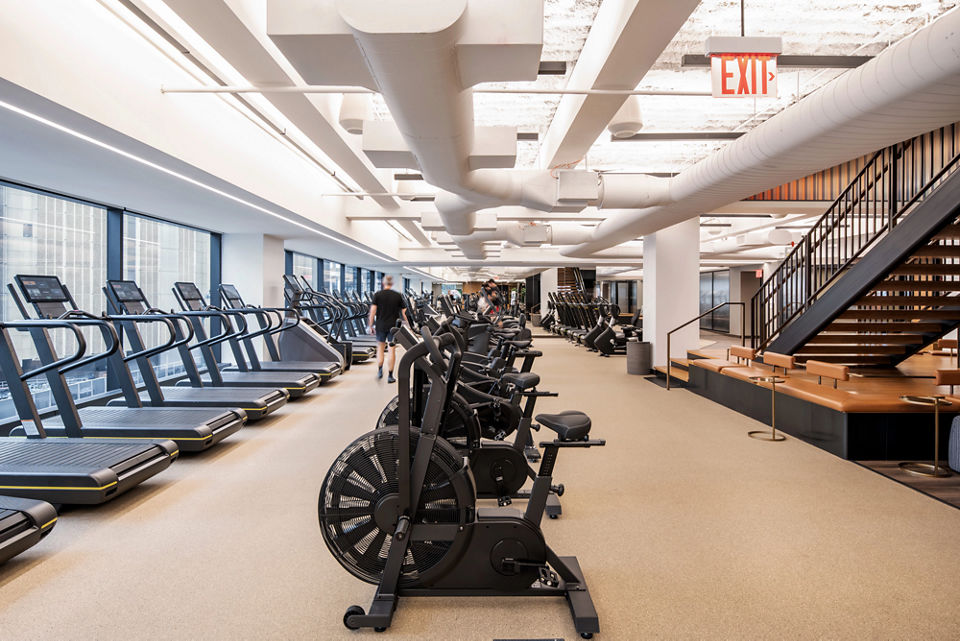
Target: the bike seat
pixel 520 344
pixel 536 353
pixel 570 425
pixel 521 380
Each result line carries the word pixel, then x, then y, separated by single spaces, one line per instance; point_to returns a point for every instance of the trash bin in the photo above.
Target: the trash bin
pixel 953 458
pixel 535 320
pixel 639 357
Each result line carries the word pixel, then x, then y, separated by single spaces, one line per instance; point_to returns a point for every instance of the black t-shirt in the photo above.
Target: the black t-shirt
pixel 389 303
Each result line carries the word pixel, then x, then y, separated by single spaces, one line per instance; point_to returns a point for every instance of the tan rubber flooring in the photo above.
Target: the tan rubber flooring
pixel 685 528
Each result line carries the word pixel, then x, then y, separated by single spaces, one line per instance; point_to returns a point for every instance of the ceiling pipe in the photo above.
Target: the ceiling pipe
pixel 910 88
pixel 412 55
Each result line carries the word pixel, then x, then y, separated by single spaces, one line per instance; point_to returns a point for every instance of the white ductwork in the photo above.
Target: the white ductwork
pixel 911 88
pixel 424 57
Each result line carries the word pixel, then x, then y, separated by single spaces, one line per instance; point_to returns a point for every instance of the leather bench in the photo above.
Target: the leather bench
pixel 719 364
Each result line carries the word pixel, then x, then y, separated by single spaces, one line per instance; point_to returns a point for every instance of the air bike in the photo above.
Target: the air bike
pixel 398 509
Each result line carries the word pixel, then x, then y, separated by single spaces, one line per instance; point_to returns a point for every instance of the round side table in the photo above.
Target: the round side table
pixel 772 435
pixel 929 469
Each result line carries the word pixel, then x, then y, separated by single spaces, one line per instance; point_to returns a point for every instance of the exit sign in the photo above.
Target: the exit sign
pixel 743 67
pixel 744 75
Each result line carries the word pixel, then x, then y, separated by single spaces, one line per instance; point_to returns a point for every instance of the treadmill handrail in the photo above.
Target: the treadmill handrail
pixel 48 323
pixel 149 318
pixel 226 335
pixel 107 330
pixel 176 318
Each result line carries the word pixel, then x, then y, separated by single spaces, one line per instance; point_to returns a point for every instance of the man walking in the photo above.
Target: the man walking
pixel 386 309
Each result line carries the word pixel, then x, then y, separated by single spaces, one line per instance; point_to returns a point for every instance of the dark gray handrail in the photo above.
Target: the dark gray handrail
pixel 743 327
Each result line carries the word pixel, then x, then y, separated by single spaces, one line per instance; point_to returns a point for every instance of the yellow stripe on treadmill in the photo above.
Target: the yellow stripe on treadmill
pixel 56 487
pixel 49 523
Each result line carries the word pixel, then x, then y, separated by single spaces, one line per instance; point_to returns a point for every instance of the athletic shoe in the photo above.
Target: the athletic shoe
pixel 380 372
pixel 391 379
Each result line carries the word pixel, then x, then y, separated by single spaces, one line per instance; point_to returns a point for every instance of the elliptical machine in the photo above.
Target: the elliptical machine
pixel 397 509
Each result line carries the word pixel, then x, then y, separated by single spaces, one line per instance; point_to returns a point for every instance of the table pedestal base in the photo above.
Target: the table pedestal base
pixel 764 435
pixel 926 469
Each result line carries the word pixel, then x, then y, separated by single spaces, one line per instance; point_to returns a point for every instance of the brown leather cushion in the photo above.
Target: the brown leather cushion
pixel 774 359
pixel 736 351
pixel 845 400
pixel 948 377
pixel 830 370
pixel 744 373
pixel 713 364
pixel 947 343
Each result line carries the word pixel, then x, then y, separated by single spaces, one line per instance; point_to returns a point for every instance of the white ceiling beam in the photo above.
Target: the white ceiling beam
pixel 626 39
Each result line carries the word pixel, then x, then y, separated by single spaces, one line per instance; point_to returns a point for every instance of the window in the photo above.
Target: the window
pixel 714 290
pixel 350 279
pixel 366 280
pixel 157 254
pixel 42 234
pixel 305 266
pixel 331 275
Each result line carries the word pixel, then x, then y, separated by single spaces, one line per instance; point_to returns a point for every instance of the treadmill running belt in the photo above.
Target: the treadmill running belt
pixel 68 457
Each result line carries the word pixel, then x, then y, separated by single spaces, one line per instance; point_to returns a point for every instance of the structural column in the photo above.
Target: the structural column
pixel 548 285
pixel 255 264
pixel 671 289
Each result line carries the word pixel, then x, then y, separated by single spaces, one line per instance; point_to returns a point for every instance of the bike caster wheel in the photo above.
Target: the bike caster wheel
pixel 586 635
pixel 383 629
pixel 554 516
pixel 353 610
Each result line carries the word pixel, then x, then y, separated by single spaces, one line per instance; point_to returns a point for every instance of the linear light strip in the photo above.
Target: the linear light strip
pixel 183 177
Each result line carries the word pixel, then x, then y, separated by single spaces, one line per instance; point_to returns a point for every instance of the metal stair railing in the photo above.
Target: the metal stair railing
pixel 743 327
pixel 888 187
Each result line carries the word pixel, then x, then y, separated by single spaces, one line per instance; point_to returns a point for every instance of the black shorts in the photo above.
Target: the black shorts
pixel 383 336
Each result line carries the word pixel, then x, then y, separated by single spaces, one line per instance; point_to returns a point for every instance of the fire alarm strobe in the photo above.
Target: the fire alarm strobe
pixel 744 67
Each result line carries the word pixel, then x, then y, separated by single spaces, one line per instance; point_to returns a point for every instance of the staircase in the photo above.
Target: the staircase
pixel 878 277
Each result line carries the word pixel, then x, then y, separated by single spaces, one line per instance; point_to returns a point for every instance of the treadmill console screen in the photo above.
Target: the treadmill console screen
pixel 231 294
pixel 291 281
pixel 127 291
pixel 42 289
pixel 189 291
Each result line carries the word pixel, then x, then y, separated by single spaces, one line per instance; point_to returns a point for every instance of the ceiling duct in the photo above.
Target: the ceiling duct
pixel 628 121
pixel 911 88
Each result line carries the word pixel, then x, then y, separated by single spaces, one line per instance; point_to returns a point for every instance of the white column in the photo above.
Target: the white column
pixel 255 264
pixel 671 289
pixel 548 285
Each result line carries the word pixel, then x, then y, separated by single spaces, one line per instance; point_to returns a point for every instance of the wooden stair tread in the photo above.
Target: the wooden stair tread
pixel 906 326
pixel 864 339
pixel 950 232
pixel 918 286
pixel 906 301
pixel 923 269
pixel 845 359
pixel 938 251
pixel 900 314
pixel 679 374
pixel 816 348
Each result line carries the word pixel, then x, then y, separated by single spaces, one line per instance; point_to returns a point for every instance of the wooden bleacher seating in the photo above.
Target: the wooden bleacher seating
pixel 741 354
pixel 828 370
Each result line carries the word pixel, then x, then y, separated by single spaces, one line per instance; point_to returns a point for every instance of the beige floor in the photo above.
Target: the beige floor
pixel 686 529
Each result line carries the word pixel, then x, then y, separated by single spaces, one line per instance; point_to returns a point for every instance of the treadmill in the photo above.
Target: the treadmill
pixel 297 384
pixel 23 522
pixel 313 334
pixel 192 429
pixel 326 370
pixel 68 470
pixel 126 298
